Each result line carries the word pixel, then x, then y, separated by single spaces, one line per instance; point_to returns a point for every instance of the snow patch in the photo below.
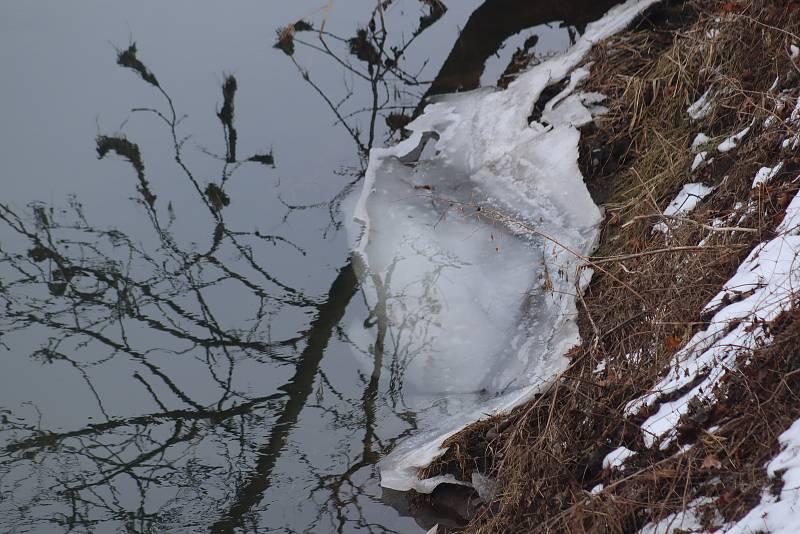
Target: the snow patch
pixel 699 159
pixel 702 107
pixel 617 457
pixel 687 200
pixel 779 514
pixel 733 141
pixel 766 174
pixel 759 292
pixel 685 521
pixel 700 140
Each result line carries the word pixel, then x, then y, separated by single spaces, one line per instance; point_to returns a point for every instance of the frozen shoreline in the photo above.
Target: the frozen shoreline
pixel 473 251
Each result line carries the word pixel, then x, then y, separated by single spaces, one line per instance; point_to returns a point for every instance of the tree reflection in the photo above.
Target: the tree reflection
pixel 380 91
pixel 372 59
pixel 155 337
pixel 112 308
pixel 493 22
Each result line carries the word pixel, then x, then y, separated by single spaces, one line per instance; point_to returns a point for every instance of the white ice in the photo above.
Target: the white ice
pixel 469 255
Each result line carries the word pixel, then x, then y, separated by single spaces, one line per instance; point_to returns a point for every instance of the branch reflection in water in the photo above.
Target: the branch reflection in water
pixel 152 339
pixel 89 292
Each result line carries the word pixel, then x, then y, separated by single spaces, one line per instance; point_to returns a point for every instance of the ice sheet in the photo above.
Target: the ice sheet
pixel 468 256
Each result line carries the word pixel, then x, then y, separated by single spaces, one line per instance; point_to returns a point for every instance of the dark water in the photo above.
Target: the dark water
pixel 174 278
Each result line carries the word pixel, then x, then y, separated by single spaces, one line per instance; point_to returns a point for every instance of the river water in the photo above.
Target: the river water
pixel 175 284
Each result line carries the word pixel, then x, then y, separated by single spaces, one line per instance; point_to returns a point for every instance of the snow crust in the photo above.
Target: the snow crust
pixel 468 255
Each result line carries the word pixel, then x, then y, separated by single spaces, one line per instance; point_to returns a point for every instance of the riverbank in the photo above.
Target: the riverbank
pixel 677 402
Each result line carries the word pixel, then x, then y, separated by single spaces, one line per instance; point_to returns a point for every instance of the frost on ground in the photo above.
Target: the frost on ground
pixel 470 245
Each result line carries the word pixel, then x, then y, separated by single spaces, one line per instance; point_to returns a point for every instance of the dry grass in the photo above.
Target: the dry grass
pixel 547 454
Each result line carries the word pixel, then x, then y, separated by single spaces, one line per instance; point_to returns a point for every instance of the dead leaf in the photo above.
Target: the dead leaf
pixel 673 342
pixel 711 462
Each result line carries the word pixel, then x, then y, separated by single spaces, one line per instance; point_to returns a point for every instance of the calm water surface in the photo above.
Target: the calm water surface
pixel 174 278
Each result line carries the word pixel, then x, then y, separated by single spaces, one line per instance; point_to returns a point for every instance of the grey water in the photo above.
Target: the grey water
pixel 174 276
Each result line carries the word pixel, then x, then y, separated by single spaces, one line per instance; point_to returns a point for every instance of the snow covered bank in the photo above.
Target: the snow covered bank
pixel 470 233
pixel 679 411
pixel 743 317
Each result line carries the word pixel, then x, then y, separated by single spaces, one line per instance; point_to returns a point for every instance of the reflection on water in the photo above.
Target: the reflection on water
pixel 172 315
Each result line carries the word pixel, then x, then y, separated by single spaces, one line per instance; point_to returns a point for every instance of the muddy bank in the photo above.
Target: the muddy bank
pixel 676 403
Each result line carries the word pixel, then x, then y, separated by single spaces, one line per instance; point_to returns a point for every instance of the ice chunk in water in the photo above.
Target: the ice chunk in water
pixel 469 255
